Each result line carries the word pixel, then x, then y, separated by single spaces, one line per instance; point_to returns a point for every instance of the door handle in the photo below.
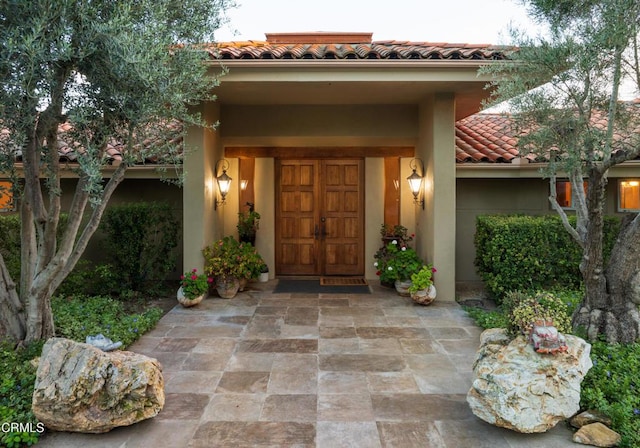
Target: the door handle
pixel 323 231
pixel 316 232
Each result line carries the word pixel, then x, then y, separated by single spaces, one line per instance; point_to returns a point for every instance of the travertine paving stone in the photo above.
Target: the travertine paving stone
pixel 316 371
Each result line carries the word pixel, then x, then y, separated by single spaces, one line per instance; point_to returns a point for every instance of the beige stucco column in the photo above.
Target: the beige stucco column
pixel 199 191
pixel 436 224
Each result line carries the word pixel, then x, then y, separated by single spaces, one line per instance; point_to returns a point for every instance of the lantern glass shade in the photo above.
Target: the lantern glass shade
pixel 224 183
pixel 415 183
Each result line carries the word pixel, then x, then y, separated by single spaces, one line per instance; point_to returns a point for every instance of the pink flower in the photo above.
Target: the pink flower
pixel 194 277
pixel 434 270
pixel 182 277
pixel 209 280
pixel 194 270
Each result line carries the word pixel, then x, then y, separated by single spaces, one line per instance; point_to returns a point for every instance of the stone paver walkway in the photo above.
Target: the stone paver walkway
pixel 301 370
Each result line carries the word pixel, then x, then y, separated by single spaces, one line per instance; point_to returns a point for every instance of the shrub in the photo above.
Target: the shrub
pixel 17 378
pixel 77 317
pixel 543 306
pixel 612 386
pixel 488 318
pixel 521 252
pixel 397 262
pixel 141 241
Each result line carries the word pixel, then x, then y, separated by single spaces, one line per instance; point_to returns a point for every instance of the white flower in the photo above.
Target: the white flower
pixel 390 268
pixel 404 248
pixel 375 264
pixel 394 242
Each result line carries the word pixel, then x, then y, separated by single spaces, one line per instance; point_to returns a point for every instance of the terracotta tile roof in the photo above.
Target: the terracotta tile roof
pixel 379 50
pixel 69 149
pixel 486 137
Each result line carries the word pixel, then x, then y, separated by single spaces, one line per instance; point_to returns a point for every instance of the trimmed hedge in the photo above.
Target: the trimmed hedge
pixel 516 252
pixel 141 239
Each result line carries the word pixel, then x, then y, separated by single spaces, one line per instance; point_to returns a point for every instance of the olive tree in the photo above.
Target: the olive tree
pixel 110 71
pixel 564 88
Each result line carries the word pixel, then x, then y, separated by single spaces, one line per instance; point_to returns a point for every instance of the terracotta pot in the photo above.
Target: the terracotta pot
pixel 187 302
pixel 227 287
pixel 424 296
pixel 402 287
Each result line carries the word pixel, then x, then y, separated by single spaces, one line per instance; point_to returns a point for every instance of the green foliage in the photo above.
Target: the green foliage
pixel 141 241
pixel 515 252
pixel 17 378
pixel 422 279
pixel 488 318
pixel 397 262
pixel 248 223
pixel 90 279
pixel 229 258
pixel 79 316
pixel 542 306
pixel 612 386
pixel 194 285
pixel 10 244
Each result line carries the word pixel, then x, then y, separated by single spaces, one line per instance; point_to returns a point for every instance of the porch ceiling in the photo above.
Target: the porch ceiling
pixel 469 94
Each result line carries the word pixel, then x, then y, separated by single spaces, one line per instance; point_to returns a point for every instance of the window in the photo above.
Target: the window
pixel 6 196
pixel 564 194
pixel 629 195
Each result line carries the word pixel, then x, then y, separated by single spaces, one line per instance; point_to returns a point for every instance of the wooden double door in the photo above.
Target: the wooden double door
pixel 319 217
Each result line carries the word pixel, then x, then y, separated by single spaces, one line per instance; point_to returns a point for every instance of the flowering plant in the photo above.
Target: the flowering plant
pixel 422 279
pixel 398 262
pixel 229 258
pixel 194 285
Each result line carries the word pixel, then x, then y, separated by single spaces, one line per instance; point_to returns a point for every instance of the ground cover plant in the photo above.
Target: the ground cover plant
pixel 76 317
pixel 611 386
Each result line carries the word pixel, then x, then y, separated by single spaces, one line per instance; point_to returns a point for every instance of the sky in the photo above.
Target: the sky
pixel 452 21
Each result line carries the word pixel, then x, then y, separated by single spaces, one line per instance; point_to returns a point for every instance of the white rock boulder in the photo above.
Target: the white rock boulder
pixel 80 388
pixel 528 392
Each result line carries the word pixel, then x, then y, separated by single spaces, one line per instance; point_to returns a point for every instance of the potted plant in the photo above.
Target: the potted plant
pixel 225 261
pixel 397 232
pixel 248 223
pixel 264 273
pixel 193 287
pixel 422 289
pixel 251 262
pixel 397 265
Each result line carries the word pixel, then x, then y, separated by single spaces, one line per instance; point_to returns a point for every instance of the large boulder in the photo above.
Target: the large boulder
pixel 80 388
pixel 519 389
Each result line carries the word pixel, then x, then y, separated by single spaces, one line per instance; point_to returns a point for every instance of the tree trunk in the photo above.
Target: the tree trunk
pixel 12 316
pixel 611 303
pixel 40 321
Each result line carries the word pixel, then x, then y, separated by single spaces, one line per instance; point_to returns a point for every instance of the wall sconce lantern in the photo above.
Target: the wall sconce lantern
pixel 223 180
pixel 415 181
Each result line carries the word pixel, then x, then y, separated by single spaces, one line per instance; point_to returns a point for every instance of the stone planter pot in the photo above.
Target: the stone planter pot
pixel 187 302
pixel 424 296
pixel 402 287
pixel 264 277
pixel 227 287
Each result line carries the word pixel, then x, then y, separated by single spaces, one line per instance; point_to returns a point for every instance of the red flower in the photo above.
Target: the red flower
pixel 209 280
pixel 194 270
pixel 182 277
pixel 378 272
pixel 434 270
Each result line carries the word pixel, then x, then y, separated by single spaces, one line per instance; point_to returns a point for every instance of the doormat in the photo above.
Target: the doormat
pixel 314 287
pixel 342 281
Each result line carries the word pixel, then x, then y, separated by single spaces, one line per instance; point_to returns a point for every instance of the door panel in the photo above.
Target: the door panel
pixel 320 217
